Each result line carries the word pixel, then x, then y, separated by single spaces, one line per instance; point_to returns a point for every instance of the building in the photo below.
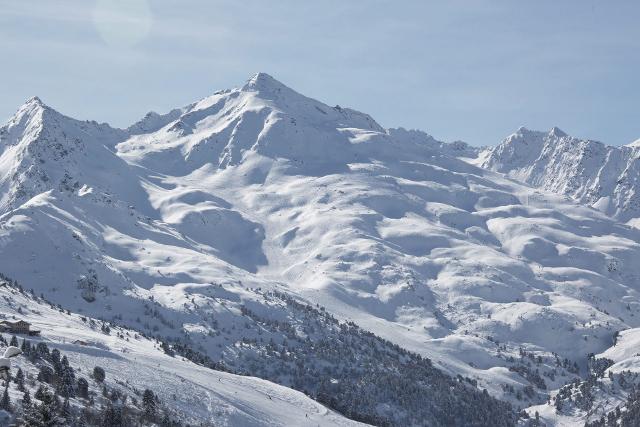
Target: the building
pixel 17 327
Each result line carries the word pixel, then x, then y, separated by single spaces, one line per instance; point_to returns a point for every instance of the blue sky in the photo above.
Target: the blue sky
pixel 473 70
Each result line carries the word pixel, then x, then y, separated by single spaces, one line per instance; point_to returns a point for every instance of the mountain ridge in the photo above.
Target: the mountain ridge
pixel 599 175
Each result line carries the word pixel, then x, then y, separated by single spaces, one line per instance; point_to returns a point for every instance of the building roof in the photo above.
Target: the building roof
pixel 17 322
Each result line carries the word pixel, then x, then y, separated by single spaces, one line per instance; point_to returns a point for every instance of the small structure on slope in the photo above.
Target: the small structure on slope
pixel 18 327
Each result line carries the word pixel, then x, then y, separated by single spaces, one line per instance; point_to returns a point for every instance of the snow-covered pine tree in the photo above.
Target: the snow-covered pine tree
pixel 149 404
pixel 26 400
pixel 5 402
pixel 19 379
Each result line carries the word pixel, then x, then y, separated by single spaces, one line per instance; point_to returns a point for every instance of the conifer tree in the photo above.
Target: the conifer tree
pixel 149 404
pixel 26 399
pixel 19 379
pixel 112 417
pixel 44 414
pixel 83 388
pixel 98 374
pixel 65 384
pixel 40 392
pixel 5 402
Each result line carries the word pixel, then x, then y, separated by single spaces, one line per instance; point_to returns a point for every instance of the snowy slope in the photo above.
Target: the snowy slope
pixel 602 176
pixel 195 393
pixel 609 389
pixel 176 224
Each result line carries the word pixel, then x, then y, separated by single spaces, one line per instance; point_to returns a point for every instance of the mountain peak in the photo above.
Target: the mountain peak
pixel 28 114
pixel 557 132
pixel 263 82
pixel 34 100
pixel 526 132
pixel 31 105
pixel 634 144
pixel 521 133
pixel 32 109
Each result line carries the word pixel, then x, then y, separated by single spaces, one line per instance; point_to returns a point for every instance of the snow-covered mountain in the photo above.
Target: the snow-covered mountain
pixel 601 176
pixel 266 233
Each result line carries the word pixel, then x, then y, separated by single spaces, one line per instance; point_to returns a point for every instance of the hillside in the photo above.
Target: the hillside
pixel 132 363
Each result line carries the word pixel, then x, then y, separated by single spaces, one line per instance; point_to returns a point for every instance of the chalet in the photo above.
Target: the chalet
pixel 17 327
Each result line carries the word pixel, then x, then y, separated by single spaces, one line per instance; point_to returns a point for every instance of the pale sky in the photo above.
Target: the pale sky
pixel 472 70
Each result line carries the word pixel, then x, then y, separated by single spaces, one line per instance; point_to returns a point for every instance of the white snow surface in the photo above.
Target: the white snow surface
pixel 261 187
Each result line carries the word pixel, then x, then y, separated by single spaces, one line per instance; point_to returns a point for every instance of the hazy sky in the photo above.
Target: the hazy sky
pixel 472 70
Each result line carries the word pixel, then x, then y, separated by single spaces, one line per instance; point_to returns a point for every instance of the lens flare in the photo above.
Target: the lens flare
pixel 122 23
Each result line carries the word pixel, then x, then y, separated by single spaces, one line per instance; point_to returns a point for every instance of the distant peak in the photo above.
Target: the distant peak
pixel 260 78
pixel 526 135
pixel 524 131
pixel 557 132
pixel 554 132
pixel 34 100
pixel 32 108
pixel 634 144
pixel 263 82
pixel 33 103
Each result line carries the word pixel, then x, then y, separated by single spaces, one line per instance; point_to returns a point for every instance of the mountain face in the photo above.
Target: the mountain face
pixel 595 174
pixel 265 233
pixel 42 150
